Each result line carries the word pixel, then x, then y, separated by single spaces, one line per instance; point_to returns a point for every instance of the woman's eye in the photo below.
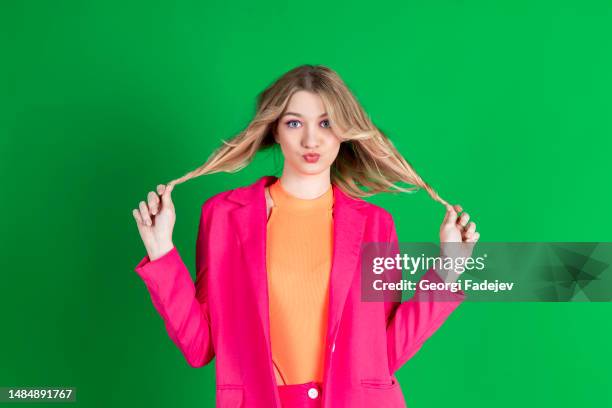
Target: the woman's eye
pixel 326 121
pixel 292 121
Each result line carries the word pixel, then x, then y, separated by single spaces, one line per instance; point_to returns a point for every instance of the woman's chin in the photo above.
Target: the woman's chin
pixel 311 169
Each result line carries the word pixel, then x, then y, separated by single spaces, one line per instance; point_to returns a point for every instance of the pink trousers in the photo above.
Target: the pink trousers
pixel 307 395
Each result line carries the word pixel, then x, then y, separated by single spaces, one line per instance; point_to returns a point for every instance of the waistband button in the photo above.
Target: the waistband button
pixel 313 393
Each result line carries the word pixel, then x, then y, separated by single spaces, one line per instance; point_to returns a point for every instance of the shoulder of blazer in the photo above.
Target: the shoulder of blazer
pixel 240 195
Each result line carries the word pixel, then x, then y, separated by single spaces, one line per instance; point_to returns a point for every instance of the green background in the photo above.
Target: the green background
pixel 503 107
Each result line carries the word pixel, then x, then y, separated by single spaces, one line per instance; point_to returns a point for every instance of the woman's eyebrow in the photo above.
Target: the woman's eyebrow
pixel 297 114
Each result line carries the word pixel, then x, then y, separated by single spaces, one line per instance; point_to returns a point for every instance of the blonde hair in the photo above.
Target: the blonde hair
pixel 367 158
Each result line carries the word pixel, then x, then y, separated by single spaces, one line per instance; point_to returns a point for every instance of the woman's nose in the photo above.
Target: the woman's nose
pixel 311 139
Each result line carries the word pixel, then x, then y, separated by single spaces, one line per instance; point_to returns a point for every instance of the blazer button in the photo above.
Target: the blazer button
pixel 313 393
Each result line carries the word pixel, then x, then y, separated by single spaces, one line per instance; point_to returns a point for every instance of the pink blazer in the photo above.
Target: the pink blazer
pixel 224 314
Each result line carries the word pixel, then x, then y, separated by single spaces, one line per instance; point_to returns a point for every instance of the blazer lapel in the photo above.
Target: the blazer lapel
pixel 349 226
pixel 250 222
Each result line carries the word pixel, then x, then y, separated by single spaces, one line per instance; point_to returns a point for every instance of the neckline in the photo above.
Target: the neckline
pixel 286 201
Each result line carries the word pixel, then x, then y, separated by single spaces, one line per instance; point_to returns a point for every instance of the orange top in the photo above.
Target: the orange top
pixel 298 257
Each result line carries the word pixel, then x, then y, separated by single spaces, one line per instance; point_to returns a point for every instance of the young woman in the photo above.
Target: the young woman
pixel 277 295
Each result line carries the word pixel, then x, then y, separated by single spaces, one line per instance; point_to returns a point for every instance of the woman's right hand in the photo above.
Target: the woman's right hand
pixel 155 220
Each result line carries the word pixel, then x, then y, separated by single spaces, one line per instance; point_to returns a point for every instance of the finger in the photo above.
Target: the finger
pixel 463 219
pixel 144 213
pixel 153 202
pixel 137 216
pixel 458 208
pixel 474 237
pixel 450 216
pixel 160 189
pixel 471 228
pixel 166 197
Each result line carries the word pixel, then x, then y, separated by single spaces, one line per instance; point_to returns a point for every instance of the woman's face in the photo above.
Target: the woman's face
pixel 305 129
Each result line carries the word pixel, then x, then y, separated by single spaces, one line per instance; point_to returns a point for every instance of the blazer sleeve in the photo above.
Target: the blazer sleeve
pixel 412 322
pixel 182 304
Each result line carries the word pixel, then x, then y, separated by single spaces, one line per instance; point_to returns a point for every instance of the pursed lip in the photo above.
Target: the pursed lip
pixel 311 157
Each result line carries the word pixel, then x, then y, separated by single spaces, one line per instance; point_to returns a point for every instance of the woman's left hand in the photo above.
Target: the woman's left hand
pixel 455 229
pixel 457 238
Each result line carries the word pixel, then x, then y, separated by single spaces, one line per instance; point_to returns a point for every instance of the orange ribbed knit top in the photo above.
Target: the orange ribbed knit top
pixel 298 259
